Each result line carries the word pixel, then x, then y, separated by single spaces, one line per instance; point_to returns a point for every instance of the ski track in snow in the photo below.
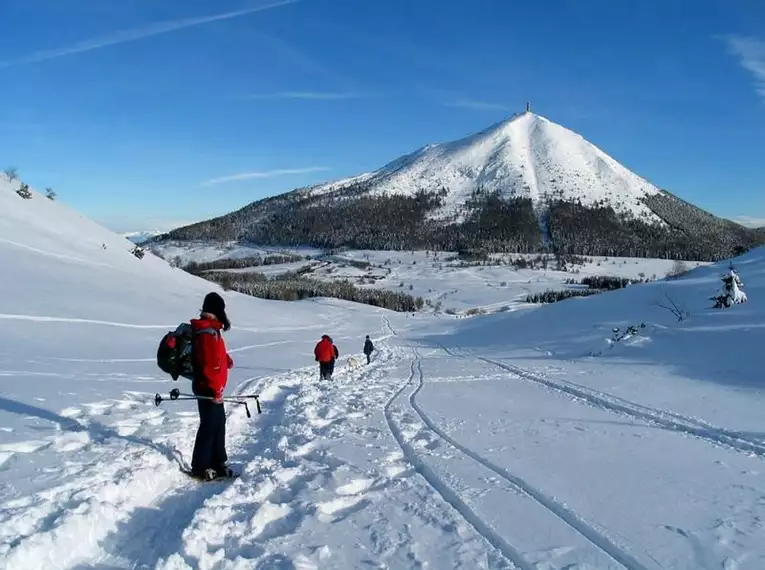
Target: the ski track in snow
pixel 443 490
pixel 560 511
pixel 399 426
pixel 79 260
pixel 44 319
pixel 667 419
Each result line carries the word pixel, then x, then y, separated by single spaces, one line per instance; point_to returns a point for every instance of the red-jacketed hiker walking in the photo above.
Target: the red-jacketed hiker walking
pixel 326 353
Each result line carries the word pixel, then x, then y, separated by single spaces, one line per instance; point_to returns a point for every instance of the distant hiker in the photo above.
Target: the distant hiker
pixel 325 353
pixel 211 364
pixel 368 349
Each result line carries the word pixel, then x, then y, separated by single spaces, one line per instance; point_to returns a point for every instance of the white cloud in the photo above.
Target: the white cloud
pixel 749 221
pixel 137 34
pixel 751 53
pixel 307 95
pixel 258 174
pixel 476 105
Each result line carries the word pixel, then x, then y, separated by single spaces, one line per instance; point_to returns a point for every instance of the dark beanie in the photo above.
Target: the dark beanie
pixel 215 305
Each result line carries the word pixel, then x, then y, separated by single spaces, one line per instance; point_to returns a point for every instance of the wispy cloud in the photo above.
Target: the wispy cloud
pixel 258 174
pixel 749 221
pixel 751 54
pixel 476 105
pixel 136 34
pixel 307 95
pixel 302 59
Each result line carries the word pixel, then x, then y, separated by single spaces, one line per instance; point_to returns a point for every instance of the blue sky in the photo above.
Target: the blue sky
pixel 146 114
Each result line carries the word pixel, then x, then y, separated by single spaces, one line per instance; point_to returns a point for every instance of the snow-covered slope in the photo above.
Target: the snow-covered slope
pixel 82 446
pixel 526 156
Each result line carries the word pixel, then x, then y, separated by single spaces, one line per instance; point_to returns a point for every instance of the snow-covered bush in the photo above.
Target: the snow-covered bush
pixel 673 306
pixel 50 194
pixel 629 332
pixel 731 291
pixel 138 252
pixel 679 268
pixel 24 192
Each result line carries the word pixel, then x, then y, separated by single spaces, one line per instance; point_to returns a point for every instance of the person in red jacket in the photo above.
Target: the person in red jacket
pixel 325 353
pixel 211 364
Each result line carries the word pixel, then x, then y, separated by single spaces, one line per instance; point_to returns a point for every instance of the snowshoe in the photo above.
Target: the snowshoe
pixel 225 472
pixel 211 475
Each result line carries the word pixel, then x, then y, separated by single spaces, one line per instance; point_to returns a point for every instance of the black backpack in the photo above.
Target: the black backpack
pixel 175 356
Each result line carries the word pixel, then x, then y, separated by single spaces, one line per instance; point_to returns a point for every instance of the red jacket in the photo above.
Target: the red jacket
pixel 325 351
pixel 212 360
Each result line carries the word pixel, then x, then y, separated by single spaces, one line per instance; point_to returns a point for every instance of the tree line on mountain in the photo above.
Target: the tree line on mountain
pixel 198 267
pixel 595 284
pixel 605 282
pixel 552 296
pixel 294 287
pixel 353 217
pixel 687 233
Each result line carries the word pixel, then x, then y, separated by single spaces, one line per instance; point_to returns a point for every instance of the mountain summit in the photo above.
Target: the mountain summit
pixel 523 185
pixel 526 156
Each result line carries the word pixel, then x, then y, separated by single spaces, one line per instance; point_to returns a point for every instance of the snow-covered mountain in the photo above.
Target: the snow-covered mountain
pixel 527 156
pixel 525 184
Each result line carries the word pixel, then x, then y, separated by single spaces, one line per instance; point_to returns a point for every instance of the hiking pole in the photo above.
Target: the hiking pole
pixel 255 397
pixel 230 399
pixel 173 397
pixel 176 394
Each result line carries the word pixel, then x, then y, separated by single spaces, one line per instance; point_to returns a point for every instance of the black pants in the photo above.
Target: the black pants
pixel 210 445
pixel 326 369
pixel 369 357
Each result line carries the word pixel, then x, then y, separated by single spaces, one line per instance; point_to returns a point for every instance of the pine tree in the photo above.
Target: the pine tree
pixel 731 292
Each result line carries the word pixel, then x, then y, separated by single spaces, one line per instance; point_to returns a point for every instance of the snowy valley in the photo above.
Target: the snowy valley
pixel 528 439
pixel 449 284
